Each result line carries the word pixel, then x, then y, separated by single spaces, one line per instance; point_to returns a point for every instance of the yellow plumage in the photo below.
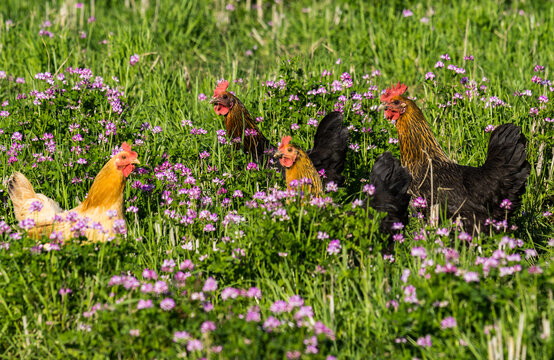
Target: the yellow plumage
pixel 301 168
pixel 104 196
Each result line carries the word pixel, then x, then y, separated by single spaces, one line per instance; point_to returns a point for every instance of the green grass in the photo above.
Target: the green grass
pixel 184 49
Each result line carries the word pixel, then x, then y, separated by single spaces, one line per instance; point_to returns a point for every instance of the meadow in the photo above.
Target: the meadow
pixel 217 261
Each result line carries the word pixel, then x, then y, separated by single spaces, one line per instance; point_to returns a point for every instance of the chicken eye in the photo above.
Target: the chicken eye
pixel 225 96
pixel 396 102
pixel 289 150
pixel 124 157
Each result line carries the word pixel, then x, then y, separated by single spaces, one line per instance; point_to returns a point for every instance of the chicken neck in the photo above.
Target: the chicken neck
pixel 417 143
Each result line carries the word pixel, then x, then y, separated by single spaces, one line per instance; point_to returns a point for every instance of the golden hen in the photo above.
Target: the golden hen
pixel 98 218
pixel 298 167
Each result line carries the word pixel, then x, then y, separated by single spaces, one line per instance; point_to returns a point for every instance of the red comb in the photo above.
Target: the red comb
pixel 285 140
pixel 393 91
pixel 221 88
pixel 126 147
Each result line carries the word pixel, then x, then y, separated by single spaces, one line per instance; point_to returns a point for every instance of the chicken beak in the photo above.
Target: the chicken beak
pixel 214 100
pixel 135 161
pixel 382 107
pixel 278 154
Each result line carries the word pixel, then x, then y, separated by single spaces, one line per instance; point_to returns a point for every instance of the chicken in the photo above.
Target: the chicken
pixel 391 182
pixel 94 218
pixel 470 195
pixel 298 167
pixel 322 164
pixel 330 141
pixel 239 122
pixel 389 178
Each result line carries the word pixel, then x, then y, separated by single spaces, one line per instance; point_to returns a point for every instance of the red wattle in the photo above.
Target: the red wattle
pixel 221 110
pixel 392 115
pixel 285 162
pixel 127 170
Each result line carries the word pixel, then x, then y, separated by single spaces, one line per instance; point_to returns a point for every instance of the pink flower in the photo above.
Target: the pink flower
pixel 407 13
pixel 334 247
pixel 448 323
pixel 144 304
pixel 506 203
pixel 424 341
pixel 167 304
pixel 405 275
pixel 149 274
pixel 160 287
pixel 420 202
pixel 271 323
pixel 210 285
pixel 253 314
pixel 398 238
pixel 35 206
pixel 134 60
pixel 295 301
pixel 410 296
pixel 393 304
pixel 463 236
pixel 471 276
pixel 65 291
pixel 419 252
pixel 180 335
pixel 369 189
pixel 207 326
pixel 186 265
pixel 279 306
pixel 252 166
pixel 254 292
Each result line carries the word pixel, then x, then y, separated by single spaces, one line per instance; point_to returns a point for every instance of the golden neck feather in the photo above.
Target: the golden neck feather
pixel 304 168
pixel 107 188
pixel 416 140
pixel 237 120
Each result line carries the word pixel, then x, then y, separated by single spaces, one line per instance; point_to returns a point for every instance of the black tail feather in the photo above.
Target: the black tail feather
pixel 330 146
pixel 507 161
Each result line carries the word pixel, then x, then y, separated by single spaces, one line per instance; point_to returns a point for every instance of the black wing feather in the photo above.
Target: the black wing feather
pixel 391 183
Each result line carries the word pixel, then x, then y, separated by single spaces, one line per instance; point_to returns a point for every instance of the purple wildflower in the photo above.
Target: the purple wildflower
pixel 334 247
pixel 144 304
pixel 167 304
pixel 471 276
pixel 134 60
pixel 210 285
pixel 448 323
pixel 424 341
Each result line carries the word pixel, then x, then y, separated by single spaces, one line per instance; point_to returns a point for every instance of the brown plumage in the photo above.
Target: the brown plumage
pixel 104 196
pixel 472 194
pixel 239 122
pixel 298 167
